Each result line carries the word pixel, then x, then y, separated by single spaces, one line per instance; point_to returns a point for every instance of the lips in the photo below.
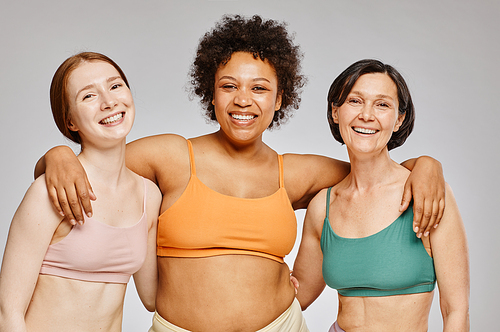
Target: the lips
pixel 112 119
pixel 243 117
pixel 364 130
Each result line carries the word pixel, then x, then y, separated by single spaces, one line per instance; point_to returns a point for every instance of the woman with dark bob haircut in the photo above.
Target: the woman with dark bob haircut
pixel 340 88
pixel 227 217
pixel 355 238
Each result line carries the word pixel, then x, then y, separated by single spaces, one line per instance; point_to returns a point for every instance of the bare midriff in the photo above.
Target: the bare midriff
pixel 223 293
pixel 62 304
pixel 401 313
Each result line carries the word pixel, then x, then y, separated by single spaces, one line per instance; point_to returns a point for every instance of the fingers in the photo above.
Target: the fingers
pixel 70 205
pixel 405 201
pixel 427 215
pixel 85 194
pixel 424 218
pixel 428 219
pixel 418 211
pixel 434 218
pixel 54 199
pixel 295 283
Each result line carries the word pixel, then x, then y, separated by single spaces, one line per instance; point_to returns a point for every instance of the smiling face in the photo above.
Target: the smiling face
pixel 246 97
pixel 369 115
pixel 100 103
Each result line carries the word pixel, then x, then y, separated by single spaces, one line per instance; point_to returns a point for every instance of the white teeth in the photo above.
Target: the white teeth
pixel 242 117
pixel 364 130
pixel 112 119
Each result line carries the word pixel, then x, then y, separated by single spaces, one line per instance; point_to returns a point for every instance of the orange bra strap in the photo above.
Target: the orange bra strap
pixel 282 176
pixel 191 158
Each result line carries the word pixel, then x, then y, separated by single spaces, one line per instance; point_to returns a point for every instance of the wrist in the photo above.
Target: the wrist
pixel 58 151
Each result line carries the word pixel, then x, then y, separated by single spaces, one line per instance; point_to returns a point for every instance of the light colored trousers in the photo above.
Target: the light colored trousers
pixel 291 320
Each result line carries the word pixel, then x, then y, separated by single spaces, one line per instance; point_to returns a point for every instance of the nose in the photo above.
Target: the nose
pixel 243 98
pixel 108 101
pixel 366 113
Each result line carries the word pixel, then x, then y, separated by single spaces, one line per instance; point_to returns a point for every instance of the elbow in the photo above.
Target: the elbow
pixel 304 303
pixel 10 320
pixel 150 305
pixel 305 306
pixel 456 318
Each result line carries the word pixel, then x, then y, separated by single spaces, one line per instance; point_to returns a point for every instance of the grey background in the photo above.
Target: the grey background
pixel 447 50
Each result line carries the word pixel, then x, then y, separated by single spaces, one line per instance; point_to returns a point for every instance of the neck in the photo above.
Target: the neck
pixel 237 149
pixel 104 165
pixel 371 171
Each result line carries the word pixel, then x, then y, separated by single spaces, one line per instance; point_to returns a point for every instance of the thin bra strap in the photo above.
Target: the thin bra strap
pixel 282 175
pixel 328 202
pixel 191 158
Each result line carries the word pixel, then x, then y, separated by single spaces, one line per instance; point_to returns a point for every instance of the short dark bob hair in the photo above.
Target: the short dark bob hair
pixel 265 39
pixel 59 102
pixel 343 84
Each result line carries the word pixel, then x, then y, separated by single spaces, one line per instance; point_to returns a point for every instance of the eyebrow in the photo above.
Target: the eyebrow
pixel 254 80
pixel 110 79
pixel 377 96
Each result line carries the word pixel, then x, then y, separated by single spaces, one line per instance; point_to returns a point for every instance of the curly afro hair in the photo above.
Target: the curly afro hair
pixel 265 39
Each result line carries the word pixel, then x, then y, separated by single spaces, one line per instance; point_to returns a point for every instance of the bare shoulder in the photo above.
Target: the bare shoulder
pixel 37 191
pixel 154 194
pixel 316 213
pixel 36 202
pixel 451 225
pixel 451 212
pixel 317 205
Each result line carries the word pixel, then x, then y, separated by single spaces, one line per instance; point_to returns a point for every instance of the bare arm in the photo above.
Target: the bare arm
pixel 306 175
pixel 307 266
pixel 451 262
pixel 146 279
pixel 67 183
pixel 30 234
pixel 69 188
pixel 427 187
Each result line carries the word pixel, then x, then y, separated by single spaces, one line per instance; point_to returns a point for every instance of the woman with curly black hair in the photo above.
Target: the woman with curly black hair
pixel 227 216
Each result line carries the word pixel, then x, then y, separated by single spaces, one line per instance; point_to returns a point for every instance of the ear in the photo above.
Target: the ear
pixel 335 114
pixel 279 99
pixel 399 122
pixel 71 126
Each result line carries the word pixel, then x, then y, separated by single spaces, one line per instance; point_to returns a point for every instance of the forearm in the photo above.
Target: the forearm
pixel 456 321
pixel 11 320
pixel 410 163
pixel 146 289
pixel 41 166
pixel 307 294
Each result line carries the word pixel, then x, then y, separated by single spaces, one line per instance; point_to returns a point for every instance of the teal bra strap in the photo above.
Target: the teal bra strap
pixel 328 202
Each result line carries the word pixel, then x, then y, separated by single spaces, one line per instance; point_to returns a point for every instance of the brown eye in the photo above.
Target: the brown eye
pixel 259 88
